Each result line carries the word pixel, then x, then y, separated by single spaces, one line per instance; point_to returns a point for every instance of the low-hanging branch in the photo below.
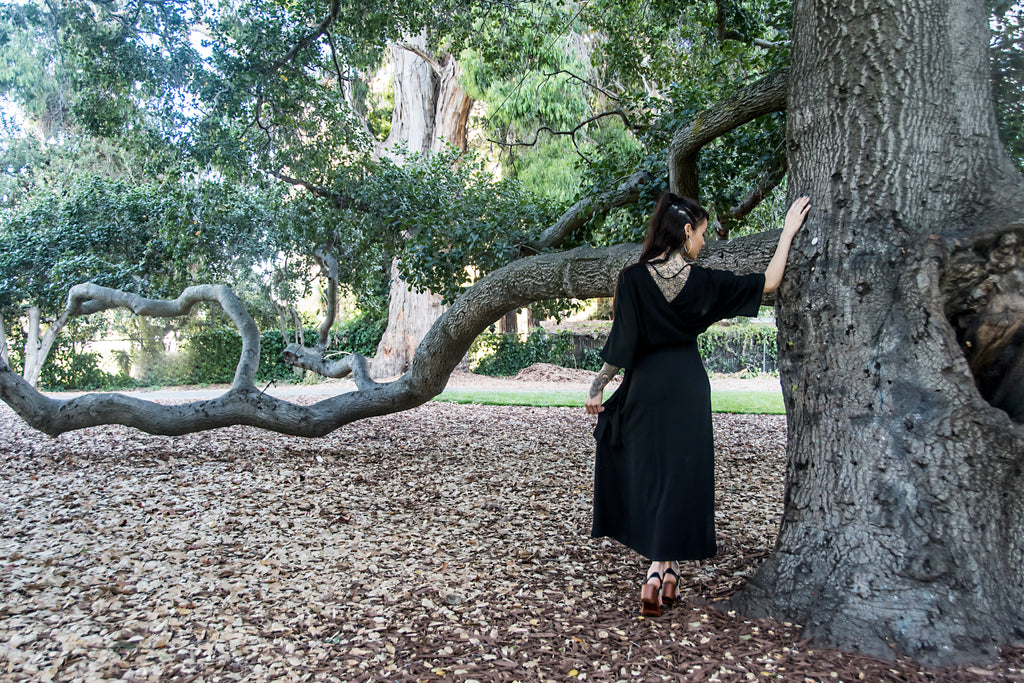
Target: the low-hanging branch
pixel 307 40
pixel 580 273
pixel 725 33
pixel 596 87
pixel 769 180
pixel 340 201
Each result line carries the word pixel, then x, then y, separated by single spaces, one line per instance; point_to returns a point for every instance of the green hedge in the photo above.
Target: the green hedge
pixel 215 353
pixel 67 369
pixel 724 348
pixel 494 353
pixel 740 347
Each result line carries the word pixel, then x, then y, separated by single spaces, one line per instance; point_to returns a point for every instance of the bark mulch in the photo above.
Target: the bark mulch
pixel 446 543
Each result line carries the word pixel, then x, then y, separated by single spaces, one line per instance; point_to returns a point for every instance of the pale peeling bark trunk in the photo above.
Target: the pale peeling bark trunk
pixel 415 86
pixel 451 118
pixel 431 110
pixel 410 316
pixel 903 526
pixel 4 354
pixel 38 343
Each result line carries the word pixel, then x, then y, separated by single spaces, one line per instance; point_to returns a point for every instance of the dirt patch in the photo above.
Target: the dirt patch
pixel 549 373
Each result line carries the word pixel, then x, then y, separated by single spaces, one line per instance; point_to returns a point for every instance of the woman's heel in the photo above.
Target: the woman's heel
pixel 650 602
pixel 669 587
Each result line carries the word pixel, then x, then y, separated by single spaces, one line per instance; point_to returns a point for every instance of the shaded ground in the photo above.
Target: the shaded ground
pixel 450 542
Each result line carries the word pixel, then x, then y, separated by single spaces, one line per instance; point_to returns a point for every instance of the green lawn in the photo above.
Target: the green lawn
pixel 747 402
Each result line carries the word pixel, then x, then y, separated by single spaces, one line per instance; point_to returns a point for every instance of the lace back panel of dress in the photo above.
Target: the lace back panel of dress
pixel 670 276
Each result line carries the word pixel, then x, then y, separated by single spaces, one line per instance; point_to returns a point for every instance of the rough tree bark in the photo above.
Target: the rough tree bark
pixel 431 110
pixel 903 526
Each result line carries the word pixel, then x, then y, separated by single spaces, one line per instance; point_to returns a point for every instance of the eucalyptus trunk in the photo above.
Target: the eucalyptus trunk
pixel 431 110
pixel 899 321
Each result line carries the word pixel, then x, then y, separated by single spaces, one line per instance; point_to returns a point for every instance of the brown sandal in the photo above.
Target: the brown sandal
pixel 650 604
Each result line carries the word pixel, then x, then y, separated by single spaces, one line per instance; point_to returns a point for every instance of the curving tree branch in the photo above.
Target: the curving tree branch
pixel 725 33
pixel 329 266
pixel 340 201
pixel 424 55
pixel 571 133
pixel 762 97
pixel 596 87
pixel 88 298
pixel 354 364
pixel 768 181
pixel 586 209
pixel 580 273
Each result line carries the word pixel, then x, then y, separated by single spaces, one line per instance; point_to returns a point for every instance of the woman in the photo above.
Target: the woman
pixel 654 474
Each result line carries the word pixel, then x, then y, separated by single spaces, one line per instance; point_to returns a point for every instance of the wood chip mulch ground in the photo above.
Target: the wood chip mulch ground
pixel 446 543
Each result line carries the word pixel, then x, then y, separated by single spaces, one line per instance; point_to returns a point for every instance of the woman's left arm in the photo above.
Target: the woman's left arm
pixel 596 393
pixel 794 219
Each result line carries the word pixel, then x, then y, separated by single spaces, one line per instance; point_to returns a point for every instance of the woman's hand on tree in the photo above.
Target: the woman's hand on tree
pixel 777 266
pixel 796 215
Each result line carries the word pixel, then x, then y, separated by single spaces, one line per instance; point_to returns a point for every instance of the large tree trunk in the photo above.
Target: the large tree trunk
pixel 411 314
pixel 431 110
pixel 903 526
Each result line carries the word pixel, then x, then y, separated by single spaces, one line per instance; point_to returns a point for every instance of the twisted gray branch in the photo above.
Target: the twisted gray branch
pixel 581 273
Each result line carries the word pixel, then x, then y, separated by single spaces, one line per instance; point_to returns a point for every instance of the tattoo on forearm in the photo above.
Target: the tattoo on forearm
pixel 605 375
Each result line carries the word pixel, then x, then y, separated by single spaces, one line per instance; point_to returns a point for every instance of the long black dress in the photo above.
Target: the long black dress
pixel 654 474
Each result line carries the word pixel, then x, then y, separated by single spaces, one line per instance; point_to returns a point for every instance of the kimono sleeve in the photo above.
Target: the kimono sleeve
pixel 620 348
pixel 736 294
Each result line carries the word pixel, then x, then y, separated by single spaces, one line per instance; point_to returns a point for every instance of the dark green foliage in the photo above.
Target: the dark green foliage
pixel 1007 53
pixel 507 354
pixel 212 356
pixel 67 369
pixel 359 335
pixel 147 238
pixel 439 213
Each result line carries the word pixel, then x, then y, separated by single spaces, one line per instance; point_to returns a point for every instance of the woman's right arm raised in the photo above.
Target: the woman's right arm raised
pixel 794 219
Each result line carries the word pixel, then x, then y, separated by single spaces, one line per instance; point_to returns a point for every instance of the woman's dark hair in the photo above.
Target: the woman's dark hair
pixel 665 229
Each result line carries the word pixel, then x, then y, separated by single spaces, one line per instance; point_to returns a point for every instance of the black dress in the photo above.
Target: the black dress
pixel 654 475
